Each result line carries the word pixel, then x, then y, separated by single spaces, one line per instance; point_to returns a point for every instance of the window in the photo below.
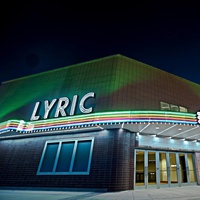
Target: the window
pixel 167 106
pixel 66 157
pixel 164 106
pixel 174 107
pixel 182 109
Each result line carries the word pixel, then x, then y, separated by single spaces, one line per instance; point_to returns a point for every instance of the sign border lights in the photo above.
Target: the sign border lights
pixel 101 118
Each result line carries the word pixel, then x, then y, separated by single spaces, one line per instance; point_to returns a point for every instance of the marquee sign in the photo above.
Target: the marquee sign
pixel 62 104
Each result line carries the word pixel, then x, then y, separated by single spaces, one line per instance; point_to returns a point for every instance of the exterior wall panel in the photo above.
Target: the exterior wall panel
pixel 120 83
pixel 111 166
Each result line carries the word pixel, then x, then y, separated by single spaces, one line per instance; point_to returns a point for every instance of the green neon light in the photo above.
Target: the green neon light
pixel 118 114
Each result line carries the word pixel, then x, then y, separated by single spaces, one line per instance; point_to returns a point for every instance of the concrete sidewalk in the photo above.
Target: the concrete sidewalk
pixel 178 193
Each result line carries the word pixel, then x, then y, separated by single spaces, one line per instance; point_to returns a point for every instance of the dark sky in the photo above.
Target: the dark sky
pixel 35 37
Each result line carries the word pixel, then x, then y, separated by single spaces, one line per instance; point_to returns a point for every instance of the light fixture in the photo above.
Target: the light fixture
pixel 153 135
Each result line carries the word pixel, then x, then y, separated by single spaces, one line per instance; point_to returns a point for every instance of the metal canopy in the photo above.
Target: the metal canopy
pixel 159 123
pixel 179 131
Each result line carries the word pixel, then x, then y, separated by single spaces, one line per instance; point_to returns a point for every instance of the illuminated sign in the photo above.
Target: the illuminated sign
pixel 62 104
pixel 198 117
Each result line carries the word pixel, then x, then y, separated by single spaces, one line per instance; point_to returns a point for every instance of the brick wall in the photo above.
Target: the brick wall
pixel 111 166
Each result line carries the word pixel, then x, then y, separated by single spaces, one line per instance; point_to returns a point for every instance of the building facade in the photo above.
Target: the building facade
pixel 110 124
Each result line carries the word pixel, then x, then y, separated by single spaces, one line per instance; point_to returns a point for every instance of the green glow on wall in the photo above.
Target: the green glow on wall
pixel 120 83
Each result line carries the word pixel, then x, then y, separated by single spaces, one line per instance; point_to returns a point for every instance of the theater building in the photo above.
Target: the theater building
pixel 109 124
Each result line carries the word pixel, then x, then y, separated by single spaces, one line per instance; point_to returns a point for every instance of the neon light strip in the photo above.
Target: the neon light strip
pixel 100 118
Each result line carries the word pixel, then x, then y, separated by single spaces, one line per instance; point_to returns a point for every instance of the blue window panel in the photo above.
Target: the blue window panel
pixel 82 156
pixel 49 158
pixel 65 157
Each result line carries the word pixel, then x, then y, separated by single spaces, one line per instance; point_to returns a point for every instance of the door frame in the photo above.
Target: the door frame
pixel 178 171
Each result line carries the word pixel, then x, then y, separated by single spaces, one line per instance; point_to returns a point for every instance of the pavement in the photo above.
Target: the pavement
pixel 175 193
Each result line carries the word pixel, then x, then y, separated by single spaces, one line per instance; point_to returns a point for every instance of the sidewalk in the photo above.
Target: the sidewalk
pixel 178 193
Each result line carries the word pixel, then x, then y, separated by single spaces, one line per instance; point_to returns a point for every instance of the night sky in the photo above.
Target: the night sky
pixel 36 37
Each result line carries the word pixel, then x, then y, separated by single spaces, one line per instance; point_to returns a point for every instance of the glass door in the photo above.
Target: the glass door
pixel 139 181
pixel 190 169
pixel 163 169
pixel 145 174
pixel 151 168
pixel 156 169
pixel 173 168
pixel 183 171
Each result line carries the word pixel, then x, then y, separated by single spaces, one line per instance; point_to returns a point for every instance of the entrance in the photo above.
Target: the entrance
pixel 157 169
